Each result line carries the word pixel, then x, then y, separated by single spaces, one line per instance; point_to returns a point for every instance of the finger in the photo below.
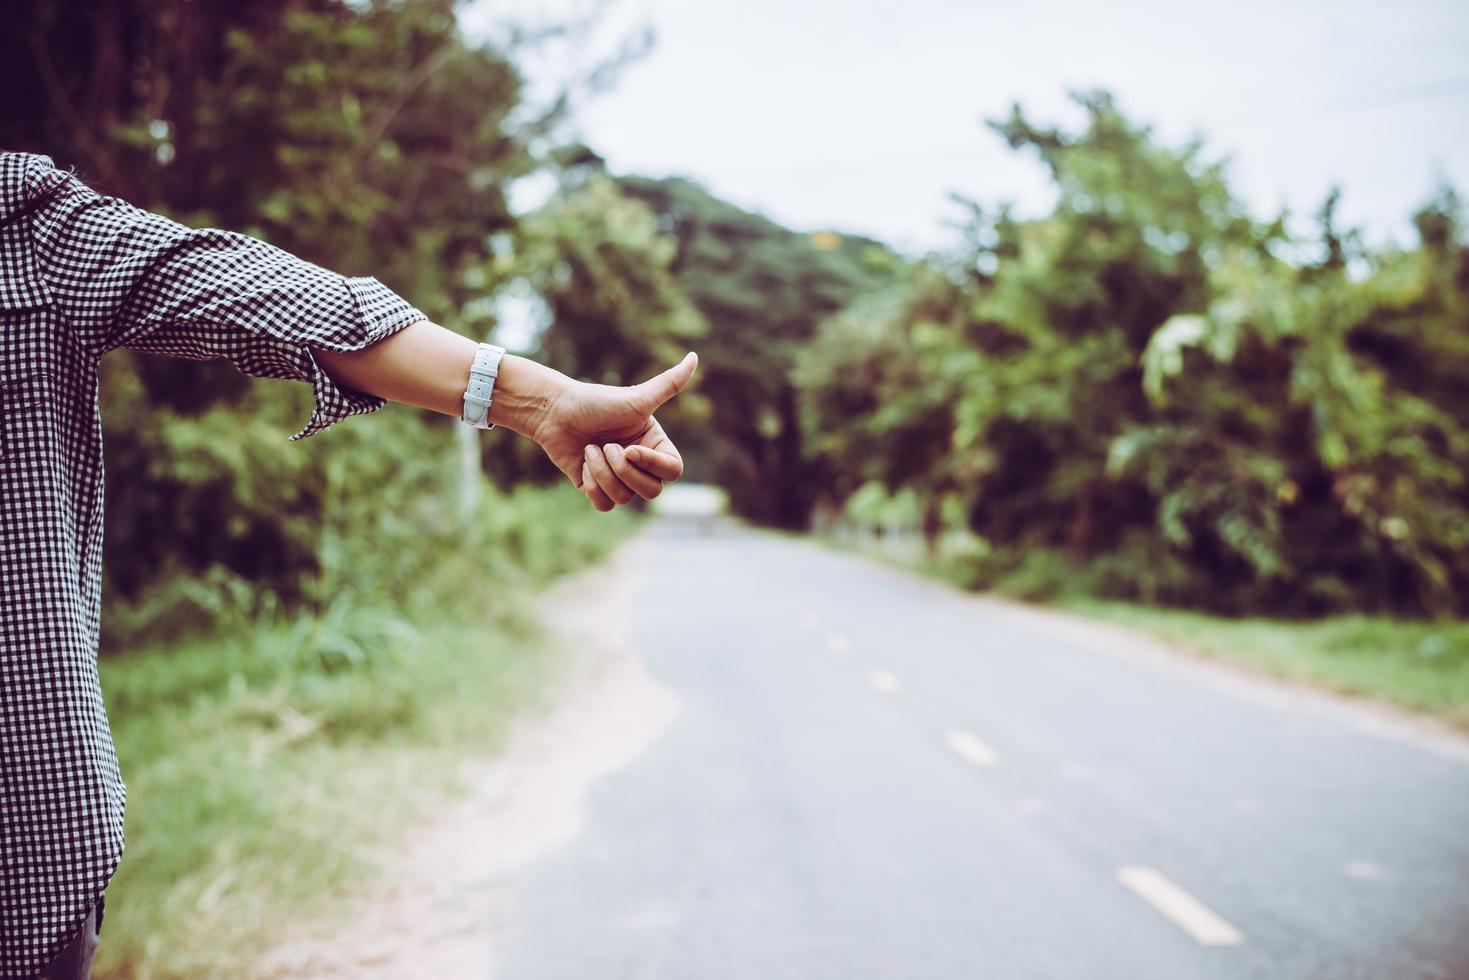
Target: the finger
pixel 664 466
pixel 655 391
pixel 639 482
pixel 594 493
pixel 605 478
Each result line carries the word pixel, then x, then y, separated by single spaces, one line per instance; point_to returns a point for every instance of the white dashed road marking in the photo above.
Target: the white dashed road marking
pixel 971 748
pixel 1181 908
pixel 837 643
pixel 1362 870
pixel 808 620
pixel 883 682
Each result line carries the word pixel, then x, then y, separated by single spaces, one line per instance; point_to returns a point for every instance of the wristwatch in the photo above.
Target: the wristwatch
pixel 481 389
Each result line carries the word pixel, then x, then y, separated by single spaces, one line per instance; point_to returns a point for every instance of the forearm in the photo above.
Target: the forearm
pixel 428 366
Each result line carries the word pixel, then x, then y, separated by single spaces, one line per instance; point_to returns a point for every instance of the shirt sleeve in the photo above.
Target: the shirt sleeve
pixel 123 277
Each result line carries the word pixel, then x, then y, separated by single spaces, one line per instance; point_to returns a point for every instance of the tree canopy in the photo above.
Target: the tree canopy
pixel 764 291
pixel 1177 402
pixel 1147 390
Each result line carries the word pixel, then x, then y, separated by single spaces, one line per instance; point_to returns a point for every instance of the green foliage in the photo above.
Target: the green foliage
pixel 879 385
pixel 764 290
pixel 597 261
pixel 1145 391
pixel 1148 395
pixel 873 505
pixel 597 258
pixel 370 138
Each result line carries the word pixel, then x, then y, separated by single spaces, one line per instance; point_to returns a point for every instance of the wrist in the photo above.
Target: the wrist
pixel 524 394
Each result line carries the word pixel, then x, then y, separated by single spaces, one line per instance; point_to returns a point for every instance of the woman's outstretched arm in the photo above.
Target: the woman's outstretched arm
pixel 605 439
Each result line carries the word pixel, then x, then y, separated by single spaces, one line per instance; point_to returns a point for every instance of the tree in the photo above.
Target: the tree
pixel 369 138
pixel 763 289
pixel 614 311
pixel 1188 405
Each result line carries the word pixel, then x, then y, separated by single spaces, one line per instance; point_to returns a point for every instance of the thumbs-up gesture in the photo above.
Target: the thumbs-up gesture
pixel 607 441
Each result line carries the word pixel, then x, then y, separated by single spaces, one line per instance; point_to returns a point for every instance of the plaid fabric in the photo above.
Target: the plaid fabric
pixel 80 275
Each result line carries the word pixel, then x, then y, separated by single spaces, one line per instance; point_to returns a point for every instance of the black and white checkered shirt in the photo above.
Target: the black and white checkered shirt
pixel 82 274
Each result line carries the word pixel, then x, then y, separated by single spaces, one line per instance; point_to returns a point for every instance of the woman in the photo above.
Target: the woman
pixel 82 274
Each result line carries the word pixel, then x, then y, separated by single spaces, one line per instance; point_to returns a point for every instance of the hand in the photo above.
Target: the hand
pixel 607 441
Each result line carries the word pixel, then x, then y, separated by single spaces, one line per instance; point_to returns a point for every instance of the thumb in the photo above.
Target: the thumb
pixel 656 390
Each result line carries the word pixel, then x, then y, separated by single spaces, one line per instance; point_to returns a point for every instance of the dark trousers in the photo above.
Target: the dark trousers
pixel 75 961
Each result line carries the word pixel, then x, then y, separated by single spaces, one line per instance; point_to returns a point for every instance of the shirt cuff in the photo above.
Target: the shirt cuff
pixel 380 313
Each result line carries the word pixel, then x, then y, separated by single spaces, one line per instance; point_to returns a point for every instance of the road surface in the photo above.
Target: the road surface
pixel 873 775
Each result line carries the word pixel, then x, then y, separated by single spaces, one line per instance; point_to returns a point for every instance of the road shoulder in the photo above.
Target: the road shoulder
pixel 1240 678
pixel 438 906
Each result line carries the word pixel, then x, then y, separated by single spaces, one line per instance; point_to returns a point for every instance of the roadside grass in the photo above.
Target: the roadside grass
pixel 1420 665
pixel 266 764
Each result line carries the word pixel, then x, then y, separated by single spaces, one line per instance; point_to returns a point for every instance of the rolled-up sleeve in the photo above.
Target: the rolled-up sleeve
pixel 122 277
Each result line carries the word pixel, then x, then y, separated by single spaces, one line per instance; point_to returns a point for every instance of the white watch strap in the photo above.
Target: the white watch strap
pixel 481 389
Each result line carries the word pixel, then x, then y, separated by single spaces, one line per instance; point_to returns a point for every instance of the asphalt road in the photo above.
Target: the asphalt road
pixel 876 776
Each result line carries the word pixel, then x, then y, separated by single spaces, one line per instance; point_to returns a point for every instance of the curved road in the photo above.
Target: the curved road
pixel 877 776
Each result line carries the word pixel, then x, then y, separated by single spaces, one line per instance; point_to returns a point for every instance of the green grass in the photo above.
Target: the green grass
pixel 1422 666
pixel 264 766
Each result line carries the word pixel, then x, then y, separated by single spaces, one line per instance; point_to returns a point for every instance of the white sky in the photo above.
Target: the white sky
pixel 864 115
